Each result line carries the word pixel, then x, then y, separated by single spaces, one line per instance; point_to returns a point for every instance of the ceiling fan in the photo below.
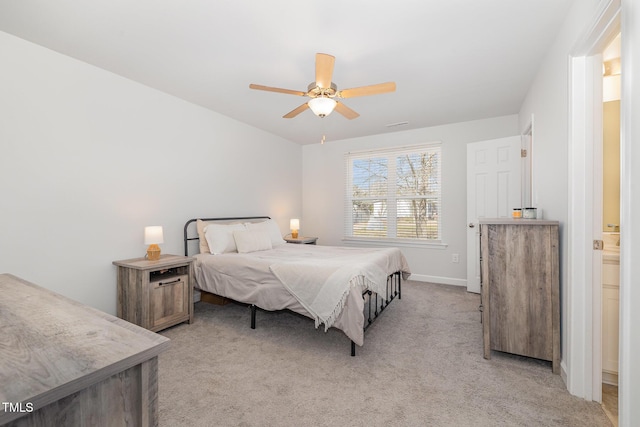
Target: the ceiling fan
pixel 323 92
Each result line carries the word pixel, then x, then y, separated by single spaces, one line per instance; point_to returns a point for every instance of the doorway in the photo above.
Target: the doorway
pixel 527 156
pixel 585 230
pixel 611 59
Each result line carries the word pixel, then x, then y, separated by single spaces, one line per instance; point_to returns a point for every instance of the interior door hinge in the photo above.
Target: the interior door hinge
pixel 523 152
pixel 598 245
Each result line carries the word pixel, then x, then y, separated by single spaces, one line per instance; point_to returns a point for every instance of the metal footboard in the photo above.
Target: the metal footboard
pixel 375 305
pixel 394 289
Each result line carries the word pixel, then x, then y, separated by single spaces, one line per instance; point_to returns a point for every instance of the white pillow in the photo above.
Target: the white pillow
pixel 251 241
pixel 269 226
pixel 220 237
pixel 200 226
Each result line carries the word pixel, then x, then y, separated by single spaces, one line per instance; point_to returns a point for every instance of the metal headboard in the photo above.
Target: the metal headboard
pixel 189 236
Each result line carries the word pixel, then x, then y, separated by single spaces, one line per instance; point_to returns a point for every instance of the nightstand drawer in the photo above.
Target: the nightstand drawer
pixel 168 301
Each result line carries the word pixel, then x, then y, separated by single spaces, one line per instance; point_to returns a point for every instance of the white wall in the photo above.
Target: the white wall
pixel 88 158
pixel 324 189
pixel 548 102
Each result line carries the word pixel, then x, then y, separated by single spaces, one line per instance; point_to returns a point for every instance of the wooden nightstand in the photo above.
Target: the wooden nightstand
pixel 155 294
pixel 302 240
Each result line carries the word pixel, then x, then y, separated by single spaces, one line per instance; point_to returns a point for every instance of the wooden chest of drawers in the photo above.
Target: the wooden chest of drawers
pixel 520 288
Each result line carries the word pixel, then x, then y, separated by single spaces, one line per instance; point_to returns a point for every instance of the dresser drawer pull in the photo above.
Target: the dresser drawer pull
pixel 169 283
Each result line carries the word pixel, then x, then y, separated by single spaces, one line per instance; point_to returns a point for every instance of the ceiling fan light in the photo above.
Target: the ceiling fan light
pixel 322 106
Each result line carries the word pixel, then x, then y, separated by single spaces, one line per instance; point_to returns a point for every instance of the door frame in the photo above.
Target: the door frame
pixel 584 299
pixel 526 180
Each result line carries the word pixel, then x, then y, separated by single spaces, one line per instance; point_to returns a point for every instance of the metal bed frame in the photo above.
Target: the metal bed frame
pixel 394 280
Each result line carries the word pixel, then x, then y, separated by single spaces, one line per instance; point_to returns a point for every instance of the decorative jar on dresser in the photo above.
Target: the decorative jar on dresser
pixel 155 294
pixel 520 287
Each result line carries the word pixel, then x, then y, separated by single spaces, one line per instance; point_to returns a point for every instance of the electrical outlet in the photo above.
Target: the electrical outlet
pixel 455 258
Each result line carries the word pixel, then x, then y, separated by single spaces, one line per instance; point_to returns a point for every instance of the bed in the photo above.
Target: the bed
pixel 245 259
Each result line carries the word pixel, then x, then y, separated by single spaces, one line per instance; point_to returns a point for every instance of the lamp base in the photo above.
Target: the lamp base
pixel 153 252
pixel 294 234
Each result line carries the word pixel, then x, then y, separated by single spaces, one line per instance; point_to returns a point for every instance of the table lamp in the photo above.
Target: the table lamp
pixel 294 225
pixel 153 236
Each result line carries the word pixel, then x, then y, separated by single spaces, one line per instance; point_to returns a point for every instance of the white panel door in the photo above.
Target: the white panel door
pixel 493 190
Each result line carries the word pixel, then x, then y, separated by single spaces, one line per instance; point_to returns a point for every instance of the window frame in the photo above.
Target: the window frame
pixel 392 196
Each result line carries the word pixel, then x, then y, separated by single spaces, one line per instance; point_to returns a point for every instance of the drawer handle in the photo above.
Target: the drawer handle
pixel 169 283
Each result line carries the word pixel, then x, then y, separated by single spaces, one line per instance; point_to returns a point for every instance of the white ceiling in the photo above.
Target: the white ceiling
pixel 452 60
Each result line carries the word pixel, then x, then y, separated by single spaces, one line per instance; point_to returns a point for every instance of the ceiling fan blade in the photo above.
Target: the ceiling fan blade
pixel 346 111
pixel 324 69
pixel 368 90
pixel 277 89
pixel 291 114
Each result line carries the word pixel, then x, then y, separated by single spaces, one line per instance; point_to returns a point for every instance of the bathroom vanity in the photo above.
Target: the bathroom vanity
pixel 610 307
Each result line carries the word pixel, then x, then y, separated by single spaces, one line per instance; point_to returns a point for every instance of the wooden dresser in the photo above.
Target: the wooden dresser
pixel 520 287
pixel 64 363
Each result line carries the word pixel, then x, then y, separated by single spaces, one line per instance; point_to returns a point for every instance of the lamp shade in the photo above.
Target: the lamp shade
pixel 153 235
pixel 322 106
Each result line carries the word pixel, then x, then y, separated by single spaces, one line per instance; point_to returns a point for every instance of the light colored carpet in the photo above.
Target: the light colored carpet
pixel 421 365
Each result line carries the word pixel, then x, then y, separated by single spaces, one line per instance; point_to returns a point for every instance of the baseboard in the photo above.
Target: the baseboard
pixel 563 374
pixel 438 279
pixel 610 378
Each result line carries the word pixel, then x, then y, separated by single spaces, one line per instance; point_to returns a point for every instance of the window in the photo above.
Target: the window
pixel 394 194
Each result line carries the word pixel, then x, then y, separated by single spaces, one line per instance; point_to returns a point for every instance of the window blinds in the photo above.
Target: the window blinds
pixel 394 193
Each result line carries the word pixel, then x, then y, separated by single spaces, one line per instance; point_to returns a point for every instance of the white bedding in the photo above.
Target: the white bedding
pixel 340 276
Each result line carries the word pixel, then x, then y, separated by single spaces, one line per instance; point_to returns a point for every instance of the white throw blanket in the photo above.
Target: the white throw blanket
pixel 322 285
